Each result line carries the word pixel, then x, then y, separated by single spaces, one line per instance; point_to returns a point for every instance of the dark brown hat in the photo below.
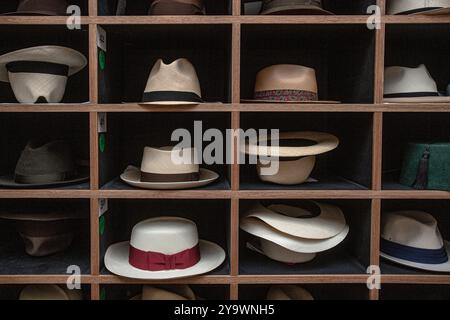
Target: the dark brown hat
pixel 176 7
pixel 41 7
pixel 44 233
pixel 44 164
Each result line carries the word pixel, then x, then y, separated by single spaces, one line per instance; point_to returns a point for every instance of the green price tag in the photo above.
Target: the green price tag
pixel 103 294
pixel 101 225
pixel 102 142
pixel 101 59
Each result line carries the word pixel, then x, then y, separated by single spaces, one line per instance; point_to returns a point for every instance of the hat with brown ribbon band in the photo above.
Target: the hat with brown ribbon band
pixel 41 7
pixel 44 233
pixel 168 168
pixel 286 83
pixel 177 7
pixel 293 7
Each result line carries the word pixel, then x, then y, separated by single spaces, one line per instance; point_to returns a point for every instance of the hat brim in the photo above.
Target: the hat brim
pixel 9 182
pixel 329 223
pixel 43 216
pixel 116 261
pixel 75 60
pixel 324 142
pixel 442 99
pixel 443 267
pixel 296 10
pixel 132 176
pixel 290 102
pixel 302 245
pixel 426 11
pixel 170 103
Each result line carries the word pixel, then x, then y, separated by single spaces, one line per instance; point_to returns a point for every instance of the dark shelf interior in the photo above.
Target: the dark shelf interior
pixel 15 261
pixel 26 36
pixel 415 292
pixel 350 257
pixel 401 128
pixel 70 127
pixel 346 167
pixel 12 291
pixel 129 133
pixel 134 49
pixel 342 56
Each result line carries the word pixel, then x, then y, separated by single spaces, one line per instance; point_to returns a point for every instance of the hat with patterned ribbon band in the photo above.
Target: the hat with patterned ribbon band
pixel 286 83
pixel 163 248
pixel 412 238
pixel 177 7
pixel 297 7
pixel 172 84
pixel 41 7
pixel 428 7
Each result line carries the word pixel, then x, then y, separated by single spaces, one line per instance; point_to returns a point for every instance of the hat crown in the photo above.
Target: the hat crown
pixel 166 235
pixel 169 160
pixel 279 253
pixel 58 7
pixel 406 80
pixel 49 292
pixel 168 292
pixel 286 77
pixel 400 6
pixel 416 229
pixel 180 75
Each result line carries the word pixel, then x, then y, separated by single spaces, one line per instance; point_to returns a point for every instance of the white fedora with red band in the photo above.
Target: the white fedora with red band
pixel 163 248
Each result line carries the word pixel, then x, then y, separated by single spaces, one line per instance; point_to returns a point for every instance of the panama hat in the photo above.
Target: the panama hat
pixel 49 292
pixel 45 164
pixel 40 7
pixel 288 292
pixel 167 292
pixel 44 233
pixel 163 248
pixel 294 156
pixel 159 170
pixel 429 7
pixel 412 238
pixel 172 84
pixel 293 7
pixel 286 83
pixel 39 74
pixel 326 230
pixel 177 7
pixel 402 84
pixel 278 253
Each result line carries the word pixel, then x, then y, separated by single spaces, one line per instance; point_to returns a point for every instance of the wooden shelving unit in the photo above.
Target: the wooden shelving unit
pixel 236 112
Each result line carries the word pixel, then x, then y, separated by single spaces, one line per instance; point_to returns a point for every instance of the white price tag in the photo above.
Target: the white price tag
pixel 102 206
pixel 101 38
pixel 102 123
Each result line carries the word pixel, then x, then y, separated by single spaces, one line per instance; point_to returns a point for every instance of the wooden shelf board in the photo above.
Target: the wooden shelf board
pixel 42 279
pixel 45 194
pixel 165 194
pixel 416 19
pixel 36 108
pixel 206 279
pixel 305 194
pixel 135 107
pixel 40 20
pixel 413 194
pixel 320 278
pixel 415 279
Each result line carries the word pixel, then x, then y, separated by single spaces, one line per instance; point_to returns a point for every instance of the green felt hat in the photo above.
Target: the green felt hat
pixel 426 166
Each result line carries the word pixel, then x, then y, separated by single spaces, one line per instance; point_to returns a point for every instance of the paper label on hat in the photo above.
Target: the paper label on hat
pixel 102 206
pixel 102 123
pixel 101 38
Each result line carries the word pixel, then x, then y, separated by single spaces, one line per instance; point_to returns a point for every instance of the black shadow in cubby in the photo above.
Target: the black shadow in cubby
pixel 211 216
pixel 414 292
pixel 438 208
pixel 412 45
pixel 11 6
pixel 348 167
pixel 127 292
pixel 341 7
pixel 21 37
pixel 318 291
pixel 129 133
pixel 141 7
pixel 133 50
pixel 351 256
pixel 12 291
pixel 401 128
pixel 342 55
pixel 13 258
pixel 17 129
